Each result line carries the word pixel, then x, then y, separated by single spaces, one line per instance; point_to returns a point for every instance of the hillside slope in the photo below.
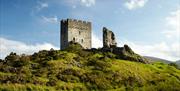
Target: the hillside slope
pixel 80 70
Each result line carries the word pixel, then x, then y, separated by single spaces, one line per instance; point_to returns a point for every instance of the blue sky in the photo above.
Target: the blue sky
pixel 150 27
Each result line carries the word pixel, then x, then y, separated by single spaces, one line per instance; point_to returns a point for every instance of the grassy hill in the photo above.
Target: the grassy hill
pixel 75 69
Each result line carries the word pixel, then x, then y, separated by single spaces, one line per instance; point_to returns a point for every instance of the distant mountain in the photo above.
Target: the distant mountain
pixel 178 62
pixel 154 59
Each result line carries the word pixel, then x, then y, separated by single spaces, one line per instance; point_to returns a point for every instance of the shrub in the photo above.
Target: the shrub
pixel 74 47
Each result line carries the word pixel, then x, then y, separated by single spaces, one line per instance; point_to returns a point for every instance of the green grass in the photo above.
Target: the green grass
pixel 83 71
pixel 24 87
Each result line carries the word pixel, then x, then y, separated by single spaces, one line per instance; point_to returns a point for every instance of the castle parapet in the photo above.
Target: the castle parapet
pixel 75 21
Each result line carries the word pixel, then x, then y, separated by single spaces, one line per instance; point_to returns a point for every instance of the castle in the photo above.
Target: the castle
pixel 78 31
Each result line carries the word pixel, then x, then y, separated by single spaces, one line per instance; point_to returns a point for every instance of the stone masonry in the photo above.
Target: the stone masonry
pixel 78 31
pixel 108 38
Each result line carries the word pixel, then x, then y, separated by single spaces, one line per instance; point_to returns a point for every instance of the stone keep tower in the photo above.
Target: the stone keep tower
pixel 108 38
pixel 76 31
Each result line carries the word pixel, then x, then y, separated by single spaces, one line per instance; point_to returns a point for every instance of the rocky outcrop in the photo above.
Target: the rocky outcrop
pixel 108 38
pixel 127 53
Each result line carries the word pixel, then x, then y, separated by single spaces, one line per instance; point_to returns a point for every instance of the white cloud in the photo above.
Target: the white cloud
pixel 173 24
pixel 50 19
pixel 75 3
pixel 8 46
pixel 161 50
pixel 41 5
pixel 134 4
pixel 88 3
pixel 96 41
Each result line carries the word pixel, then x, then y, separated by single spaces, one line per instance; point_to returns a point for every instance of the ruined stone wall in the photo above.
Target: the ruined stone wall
pixel 108 38
pixel 64 34
pixel 77 31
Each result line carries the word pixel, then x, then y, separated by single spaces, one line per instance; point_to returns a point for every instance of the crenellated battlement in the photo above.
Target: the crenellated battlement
pixel 64 22
pixel 75 21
